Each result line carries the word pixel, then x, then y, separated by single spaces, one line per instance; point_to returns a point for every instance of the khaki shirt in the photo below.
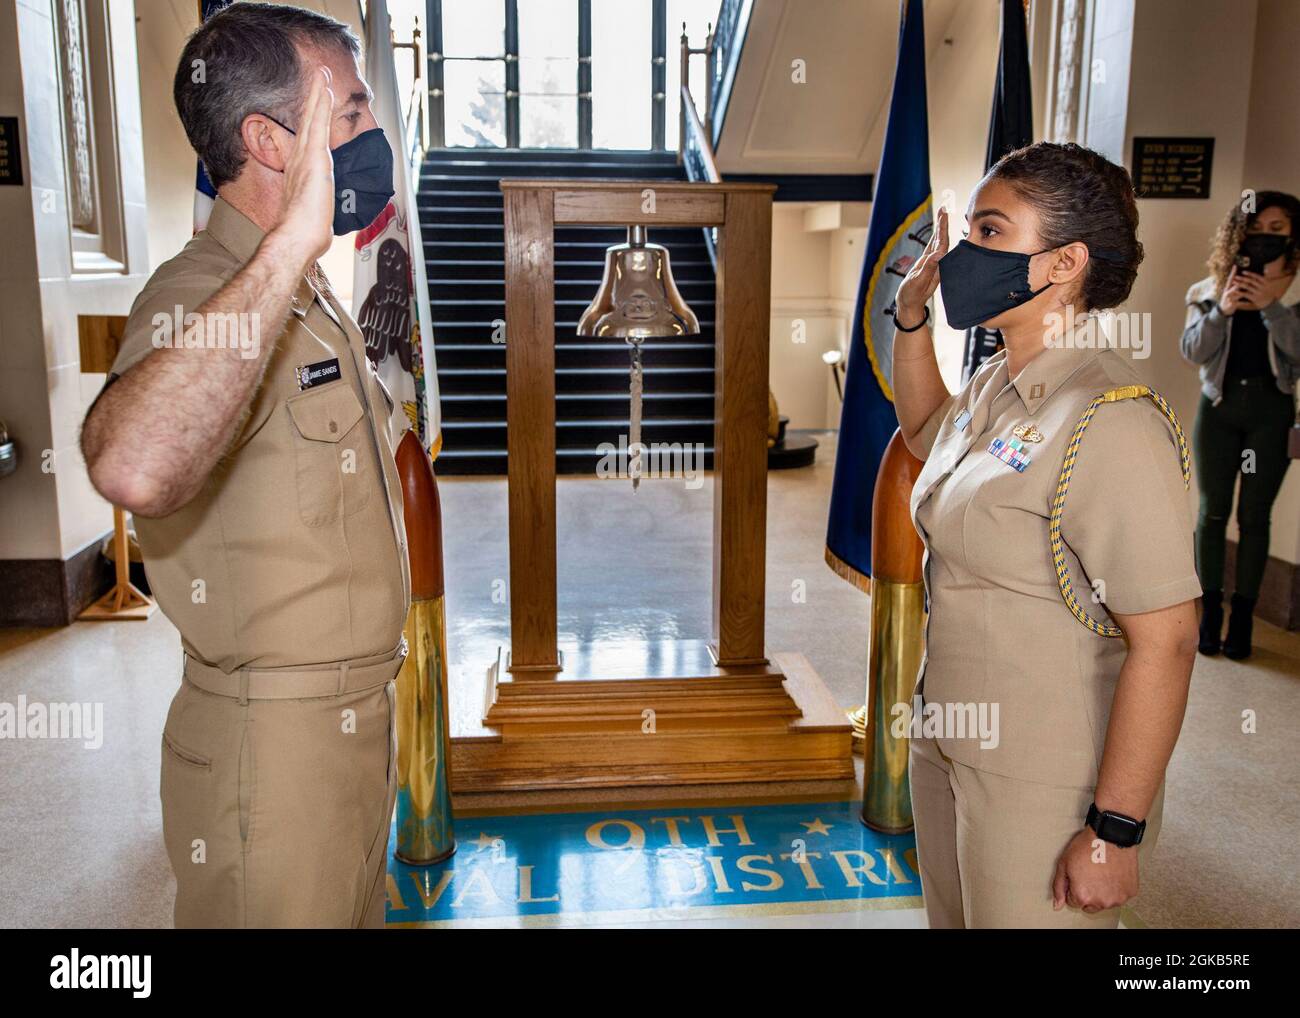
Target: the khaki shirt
pixel 999 632
pixel 294 551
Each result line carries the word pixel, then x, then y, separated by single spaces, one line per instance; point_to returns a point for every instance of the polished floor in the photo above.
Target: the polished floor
pixel 80 837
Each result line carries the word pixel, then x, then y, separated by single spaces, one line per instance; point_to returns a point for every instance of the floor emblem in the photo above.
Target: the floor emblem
pixel 663 863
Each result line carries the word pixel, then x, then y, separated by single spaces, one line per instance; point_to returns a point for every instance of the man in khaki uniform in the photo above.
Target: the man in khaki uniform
pixel 247 432
pixel 999 632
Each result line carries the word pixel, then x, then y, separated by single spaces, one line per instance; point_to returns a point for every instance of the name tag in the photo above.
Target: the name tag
pixel 1013 453
pixel 961 420
pixel 318 373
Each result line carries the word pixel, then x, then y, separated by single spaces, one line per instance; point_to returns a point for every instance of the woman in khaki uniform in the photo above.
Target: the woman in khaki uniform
pixel 1059 560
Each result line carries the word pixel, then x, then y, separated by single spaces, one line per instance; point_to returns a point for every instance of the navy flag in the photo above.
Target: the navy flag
pixel 901 222
pixel 1011 127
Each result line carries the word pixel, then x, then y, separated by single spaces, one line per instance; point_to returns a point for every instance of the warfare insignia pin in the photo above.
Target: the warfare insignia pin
pixel 1027 432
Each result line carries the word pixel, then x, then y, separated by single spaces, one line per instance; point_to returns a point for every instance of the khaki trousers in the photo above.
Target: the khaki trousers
pixel 277 794
pixel 987 845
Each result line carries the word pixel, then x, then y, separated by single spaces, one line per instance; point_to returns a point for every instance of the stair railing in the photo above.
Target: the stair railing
pixel 725 44
pixel 416 140
pixel 696 155
pixel 688 101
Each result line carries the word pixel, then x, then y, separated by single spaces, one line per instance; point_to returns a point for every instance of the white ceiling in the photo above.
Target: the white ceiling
pixel 834 121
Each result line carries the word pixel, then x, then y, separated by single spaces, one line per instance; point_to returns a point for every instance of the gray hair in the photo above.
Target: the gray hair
pixel 246 60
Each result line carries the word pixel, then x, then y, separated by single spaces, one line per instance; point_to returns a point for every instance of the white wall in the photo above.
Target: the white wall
pixel 43 392
pixel 1273 163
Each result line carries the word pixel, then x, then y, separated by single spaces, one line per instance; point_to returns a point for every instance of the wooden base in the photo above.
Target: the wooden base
pixel 650 714
pixel 125 602
pixel 121 604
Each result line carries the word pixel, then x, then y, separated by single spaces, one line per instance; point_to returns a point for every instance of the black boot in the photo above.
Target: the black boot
pixel 1211 621
pixel 1237 645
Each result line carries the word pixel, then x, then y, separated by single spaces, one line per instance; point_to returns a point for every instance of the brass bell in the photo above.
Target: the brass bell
pixel 637 298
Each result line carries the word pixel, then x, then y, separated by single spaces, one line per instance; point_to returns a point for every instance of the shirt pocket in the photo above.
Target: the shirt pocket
pixel 331 455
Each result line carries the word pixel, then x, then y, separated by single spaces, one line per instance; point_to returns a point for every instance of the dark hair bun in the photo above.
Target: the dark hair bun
pixel 1081 196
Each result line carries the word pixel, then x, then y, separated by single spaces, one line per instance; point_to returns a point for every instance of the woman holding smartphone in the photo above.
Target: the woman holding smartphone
pixel 1059 566
pixel 1247 344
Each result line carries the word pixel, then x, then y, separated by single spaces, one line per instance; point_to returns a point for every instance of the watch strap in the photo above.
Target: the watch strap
pixel 1116 828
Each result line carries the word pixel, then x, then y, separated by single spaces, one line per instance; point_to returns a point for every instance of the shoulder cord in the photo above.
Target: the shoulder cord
pixel 1063 485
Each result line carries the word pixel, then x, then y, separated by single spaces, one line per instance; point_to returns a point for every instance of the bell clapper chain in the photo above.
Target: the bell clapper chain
pixel 634 427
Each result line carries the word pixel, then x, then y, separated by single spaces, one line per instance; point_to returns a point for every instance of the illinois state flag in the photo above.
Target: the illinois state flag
pixel 390 294
pixel 901 221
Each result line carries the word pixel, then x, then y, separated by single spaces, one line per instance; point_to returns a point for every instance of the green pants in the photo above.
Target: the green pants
pixel 1244 436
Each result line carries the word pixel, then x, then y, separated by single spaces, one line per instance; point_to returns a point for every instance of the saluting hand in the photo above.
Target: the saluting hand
pixel 923 278
pixel 307 215
pixel 1094 875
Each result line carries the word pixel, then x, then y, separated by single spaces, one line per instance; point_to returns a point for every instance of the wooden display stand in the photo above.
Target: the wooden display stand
pixel 99 337
pixel 675 712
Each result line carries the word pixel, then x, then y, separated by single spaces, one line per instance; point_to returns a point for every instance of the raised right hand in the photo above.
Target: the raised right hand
pixel 307 212
pixel 923 278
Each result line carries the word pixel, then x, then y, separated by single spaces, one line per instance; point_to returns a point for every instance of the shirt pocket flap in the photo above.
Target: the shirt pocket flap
pixel 327 414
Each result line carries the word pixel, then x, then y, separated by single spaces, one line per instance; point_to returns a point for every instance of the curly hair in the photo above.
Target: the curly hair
pixel 1228 237
pixel 1081 196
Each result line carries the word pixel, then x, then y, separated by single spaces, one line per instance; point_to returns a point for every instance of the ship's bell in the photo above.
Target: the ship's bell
pixel 637 297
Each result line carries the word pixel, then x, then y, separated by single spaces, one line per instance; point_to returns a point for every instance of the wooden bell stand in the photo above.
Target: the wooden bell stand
pixel 721 710
pixel 100 336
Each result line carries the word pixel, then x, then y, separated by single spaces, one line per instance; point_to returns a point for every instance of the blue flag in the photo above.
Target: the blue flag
pixel 901 222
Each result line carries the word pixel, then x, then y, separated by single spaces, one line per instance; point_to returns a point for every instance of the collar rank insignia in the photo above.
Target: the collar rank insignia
pixel 1027 433
pixel 1013 453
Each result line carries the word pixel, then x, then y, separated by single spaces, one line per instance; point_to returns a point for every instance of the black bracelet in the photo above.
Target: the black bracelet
pixel 892 311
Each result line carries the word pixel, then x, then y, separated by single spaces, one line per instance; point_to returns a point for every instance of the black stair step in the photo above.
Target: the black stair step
pixel 547 169
pixel 694 290
pixel 478 406
pixel 482 332
pixel 458 182
pixel 457 215
pixel 567 355
pixel 572 250
pixel 613 379
pixel 590 433
pixel 488 178
pixel 608 155
pixel 570 462
pixel 460 197
pixel 444 270
pixel 434 229
pixel 447 308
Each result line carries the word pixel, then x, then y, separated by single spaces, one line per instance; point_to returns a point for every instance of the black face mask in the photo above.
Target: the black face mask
pixel 979 283
pixel 1258 249
pixel 363 179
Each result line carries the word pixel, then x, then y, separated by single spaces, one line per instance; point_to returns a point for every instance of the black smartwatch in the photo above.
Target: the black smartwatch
pixel 1116 828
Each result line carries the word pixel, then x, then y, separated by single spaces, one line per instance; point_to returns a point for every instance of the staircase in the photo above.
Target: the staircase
pixel 461 219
